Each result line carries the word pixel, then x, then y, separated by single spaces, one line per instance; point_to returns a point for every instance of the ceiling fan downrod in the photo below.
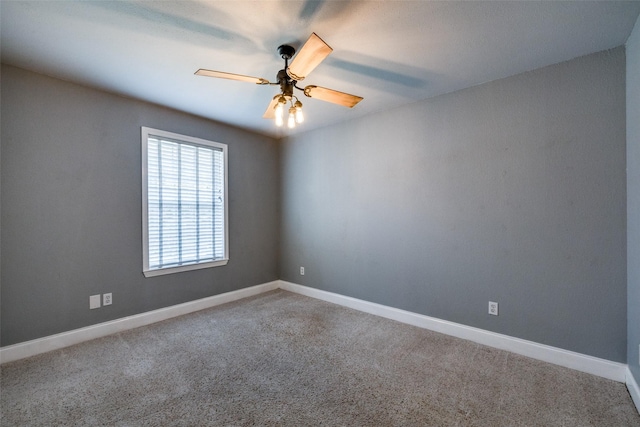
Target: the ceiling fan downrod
pixel 286 83
pixel 286 88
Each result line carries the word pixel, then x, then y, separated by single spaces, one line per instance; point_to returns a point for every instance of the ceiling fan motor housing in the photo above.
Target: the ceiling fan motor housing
pixel 286 84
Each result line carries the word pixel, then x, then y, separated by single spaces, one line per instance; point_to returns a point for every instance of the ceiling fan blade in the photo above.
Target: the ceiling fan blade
pixel 231 76
pixel 312 53
pixel 270 112
pixel 330 95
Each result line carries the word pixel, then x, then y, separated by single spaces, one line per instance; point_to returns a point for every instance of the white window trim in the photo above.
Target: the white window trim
pixel 145 133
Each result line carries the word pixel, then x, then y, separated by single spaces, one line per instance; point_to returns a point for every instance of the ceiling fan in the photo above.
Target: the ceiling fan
pixel 313 52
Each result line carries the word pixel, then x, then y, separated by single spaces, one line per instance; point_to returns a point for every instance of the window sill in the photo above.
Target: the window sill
pixel 180 269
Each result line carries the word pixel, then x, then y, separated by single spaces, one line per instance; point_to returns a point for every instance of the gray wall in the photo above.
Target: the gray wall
pixel 511 191
pixel 633 199
pixel 71 207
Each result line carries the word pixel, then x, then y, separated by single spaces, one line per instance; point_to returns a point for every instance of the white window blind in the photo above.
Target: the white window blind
pixel 185 191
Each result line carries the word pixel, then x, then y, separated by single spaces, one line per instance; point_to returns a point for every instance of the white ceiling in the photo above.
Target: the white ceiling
pixel 389 52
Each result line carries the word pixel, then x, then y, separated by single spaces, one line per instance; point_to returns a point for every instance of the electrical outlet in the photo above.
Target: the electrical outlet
pixel 107 299
pixel 94 302
pixel 302 271
pixel 493 308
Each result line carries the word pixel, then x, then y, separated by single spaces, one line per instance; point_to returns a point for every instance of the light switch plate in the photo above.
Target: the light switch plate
pixel 94 302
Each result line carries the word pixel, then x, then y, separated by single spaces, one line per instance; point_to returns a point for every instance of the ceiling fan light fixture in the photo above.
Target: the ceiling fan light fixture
pixel 279 115
pixel 291 123
pixel 279 121
pixel 280 111
pixel 299 115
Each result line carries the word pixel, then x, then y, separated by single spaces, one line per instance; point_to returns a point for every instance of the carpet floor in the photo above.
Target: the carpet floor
pixel 281 359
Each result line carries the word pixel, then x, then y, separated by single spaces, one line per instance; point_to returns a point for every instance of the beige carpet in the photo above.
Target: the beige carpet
pixel 284 359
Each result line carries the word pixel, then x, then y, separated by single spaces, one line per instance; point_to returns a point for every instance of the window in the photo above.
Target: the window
pixel 184 203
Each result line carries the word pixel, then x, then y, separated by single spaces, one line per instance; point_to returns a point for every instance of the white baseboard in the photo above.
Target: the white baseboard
pixel 76 336
pixel 589 364
pixel 633 388
pixel 592 365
